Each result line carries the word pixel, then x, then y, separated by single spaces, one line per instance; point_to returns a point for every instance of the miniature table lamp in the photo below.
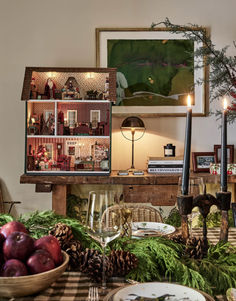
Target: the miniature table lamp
pixel 133 124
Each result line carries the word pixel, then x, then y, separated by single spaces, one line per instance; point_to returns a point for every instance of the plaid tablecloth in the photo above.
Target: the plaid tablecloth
pixel 73 286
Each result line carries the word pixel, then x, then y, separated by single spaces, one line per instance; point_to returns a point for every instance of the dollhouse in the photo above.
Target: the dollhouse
pixel 68 120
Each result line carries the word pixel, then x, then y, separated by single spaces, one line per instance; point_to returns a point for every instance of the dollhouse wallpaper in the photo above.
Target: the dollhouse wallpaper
pixel 68 123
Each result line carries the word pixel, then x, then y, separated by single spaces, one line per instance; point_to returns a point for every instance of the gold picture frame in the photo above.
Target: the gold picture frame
pixel 104 39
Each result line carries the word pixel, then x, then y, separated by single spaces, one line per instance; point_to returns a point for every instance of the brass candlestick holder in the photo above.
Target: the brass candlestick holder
pixel 126 222
pixel 204 202
pixel 125 217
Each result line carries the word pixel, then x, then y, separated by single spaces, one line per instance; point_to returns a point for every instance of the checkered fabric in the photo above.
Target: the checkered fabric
pixel 73 286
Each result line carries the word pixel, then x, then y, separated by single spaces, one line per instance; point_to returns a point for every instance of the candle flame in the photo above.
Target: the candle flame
pixel 225 104
pixel 189 101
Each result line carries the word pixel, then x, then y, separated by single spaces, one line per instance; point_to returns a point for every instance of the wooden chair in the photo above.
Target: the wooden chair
pixel 2 202
pixel 144 213
pixel 140 212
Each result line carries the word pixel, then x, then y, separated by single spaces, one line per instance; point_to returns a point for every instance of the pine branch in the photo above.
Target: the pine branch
pixel 5 218
pixel 222 74
pixel 199 34
pixel 158 257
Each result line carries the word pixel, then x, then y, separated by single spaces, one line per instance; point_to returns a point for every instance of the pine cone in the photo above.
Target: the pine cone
pixel 91 263
pixel 84 257
pixel 123 262
pixel 178 238
pixel 73 249
pixel 63 234
pixel 196 248
pixel 95 268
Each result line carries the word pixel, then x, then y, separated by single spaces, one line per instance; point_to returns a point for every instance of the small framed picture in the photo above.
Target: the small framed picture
pixel 202 161
pixel 71 150
pixel 230 153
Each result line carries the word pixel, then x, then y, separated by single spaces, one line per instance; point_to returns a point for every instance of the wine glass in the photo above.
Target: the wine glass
pixel 196 187
pixel 103 222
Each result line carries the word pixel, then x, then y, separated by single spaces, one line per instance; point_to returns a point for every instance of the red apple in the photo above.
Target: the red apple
pixel 11 227
pixel 14 268
pixel 2 238
pixel 40 261
pixel 50 244
pixel 1 260
pixel 18 245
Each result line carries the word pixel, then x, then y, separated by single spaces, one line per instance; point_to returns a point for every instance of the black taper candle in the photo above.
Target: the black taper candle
pixel 187 150
pixel 223 167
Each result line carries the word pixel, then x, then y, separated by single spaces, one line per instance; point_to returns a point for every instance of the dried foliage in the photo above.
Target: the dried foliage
pixel 222 72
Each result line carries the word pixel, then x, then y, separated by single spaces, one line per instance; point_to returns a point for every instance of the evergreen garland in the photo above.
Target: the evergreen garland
pixel 5 218
pixel 174 218
pixel 214 219
pixel 222 73
pixel 39 223
pixel 158 257
pixel 74 205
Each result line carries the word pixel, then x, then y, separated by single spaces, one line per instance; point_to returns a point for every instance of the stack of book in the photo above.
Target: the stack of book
pixel 165 165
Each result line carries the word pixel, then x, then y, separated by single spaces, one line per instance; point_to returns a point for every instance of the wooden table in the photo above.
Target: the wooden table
pixel 158 189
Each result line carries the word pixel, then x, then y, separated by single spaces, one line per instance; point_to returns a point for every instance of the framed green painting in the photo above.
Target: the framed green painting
pixel 155 71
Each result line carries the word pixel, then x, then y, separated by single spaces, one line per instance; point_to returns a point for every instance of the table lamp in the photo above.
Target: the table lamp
pixel 133 124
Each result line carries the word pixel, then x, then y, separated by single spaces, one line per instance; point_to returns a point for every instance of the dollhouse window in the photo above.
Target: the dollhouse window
pixel 94 118
pixel 72 117
pixel 49 148
pixel 47 114
pixel 94 115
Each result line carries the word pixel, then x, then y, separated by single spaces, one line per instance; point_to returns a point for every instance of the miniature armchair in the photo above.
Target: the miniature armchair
pixel 63 162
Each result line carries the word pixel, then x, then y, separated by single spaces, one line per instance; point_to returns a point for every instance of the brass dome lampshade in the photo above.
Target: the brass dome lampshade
pixel 133 124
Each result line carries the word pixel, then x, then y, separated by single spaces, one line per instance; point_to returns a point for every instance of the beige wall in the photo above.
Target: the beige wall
pixel 62 33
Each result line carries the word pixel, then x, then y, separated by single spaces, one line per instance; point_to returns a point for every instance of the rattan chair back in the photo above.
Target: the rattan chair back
pixel 140 213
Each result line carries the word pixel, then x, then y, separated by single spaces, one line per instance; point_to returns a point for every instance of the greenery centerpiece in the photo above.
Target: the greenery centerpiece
pixel 158 258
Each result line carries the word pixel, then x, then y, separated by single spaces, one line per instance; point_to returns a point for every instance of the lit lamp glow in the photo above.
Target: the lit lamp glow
pixel 187 148
pixel 132 123
pixel 90 75
pixel 51 74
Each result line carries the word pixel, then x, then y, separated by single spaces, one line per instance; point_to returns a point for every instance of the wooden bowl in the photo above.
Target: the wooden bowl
pixel 28 285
